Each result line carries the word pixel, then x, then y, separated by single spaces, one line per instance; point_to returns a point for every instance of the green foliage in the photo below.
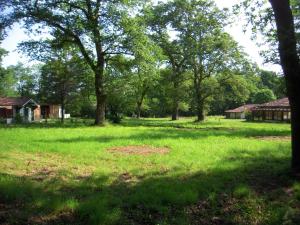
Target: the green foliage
pixel 260 17
pixel 25 79
pixel 154 59
pixel 248 116
pixel 207 50
pixel 99 31
pixel 87 110
pixel 263 96
pixel 3 53
pixel 65 79
pixel 7 83
pixel 7 80
pixel 274 82
pixel 18 119
pixel 115 117
pixel 232 91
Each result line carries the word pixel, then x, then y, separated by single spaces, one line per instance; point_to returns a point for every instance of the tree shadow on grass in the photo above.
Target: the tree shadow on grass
pixel 131 122
pixel 74 123
pixel 242 189
pixel 171 133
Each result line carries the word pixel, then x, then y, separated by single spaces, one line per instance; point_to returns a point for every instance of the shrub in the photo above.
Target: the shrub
pixel 115 117
pixel 88 111
pixel 18 118
pixel 248 116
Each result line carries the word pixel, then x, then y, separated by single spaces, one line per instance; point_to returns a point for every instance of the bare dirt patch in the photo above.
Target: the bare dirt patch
pixel 273 138
pixel 58 218
pixel 139 150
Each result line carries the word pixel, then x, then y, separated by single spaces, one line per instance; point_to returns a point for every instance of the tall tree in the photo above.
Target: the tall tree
pixel 289 58
pixel 284 41
pixel 61 79
pixel 96 27
pixel 144 61
pixel 144 71
pixel 281 27
pixel 209 49
pixel 26 79
pixel 231 92
pixel 121 94
pixel 177 62
pixel 7 78
pixel 160 19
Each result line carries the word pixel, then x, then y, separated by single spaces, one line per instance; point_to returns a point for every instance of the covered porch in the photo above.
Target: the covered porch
pixel 27 112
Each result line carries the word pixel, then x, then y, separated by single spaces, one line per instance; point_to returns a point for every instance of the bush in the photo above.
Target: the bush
pixel 248 116
pixel 115 117
pixel 18 119
pixel 88 111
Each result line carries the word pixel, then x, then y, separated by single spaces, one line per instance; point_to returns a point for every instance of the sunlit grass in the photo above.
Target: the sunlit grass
pixel 52 172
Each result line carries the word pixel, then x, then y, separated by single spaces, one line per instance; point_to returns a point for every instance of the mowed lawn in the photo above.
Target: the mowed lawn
pixel 216 172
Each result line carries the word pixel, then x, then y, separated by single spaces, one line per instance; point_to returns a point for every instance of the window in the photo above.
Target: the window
pixel 285 115
pixel 257 115
pixel 277 115
pixel 269 115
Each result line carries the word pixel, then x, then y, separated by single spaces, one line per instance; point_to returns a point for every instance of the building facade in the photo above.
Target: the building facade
pixel 27 110
pixel 12 107
pixel 278 110
pixel 240 112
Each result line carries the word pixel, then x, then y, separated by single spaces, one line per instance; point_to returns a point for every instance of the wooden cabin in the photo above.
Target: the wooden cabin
pixel 278 110
pixel 50 111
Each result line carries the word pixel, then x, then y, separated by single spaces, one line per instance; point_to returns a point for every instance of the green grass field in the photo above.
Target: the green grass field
pixel 216 172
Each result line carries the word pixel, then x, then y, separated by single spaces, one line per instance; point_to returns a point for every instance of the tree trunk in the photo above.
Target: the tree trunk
pixel 63 94
pixel 100 94
pixel 140 102
pixel 175 114
pixel 199 99
pixel 175 109
pixel 200 112
pixel 291 68
pixel 138 109
pixel 62 110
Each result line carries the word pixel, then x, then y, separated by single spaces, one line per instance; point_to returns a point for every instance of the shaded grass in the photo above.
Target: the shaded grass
pixel 216 173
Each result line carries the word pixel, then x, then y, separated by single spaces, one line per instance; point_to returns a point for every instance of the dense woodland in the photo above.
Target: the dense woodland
pixel 170 59
pixel 54 82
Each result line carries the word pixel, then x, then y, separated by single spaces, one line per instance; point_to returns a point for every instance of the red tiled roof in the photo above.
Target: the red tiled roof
pixel 284 102
pixel 242 108
pixel 13 101
pixel 280 104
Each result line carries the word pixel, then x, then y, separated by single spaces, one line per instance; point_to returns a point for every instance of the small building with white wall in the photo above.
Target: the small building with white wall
pixel 240 112
pixel 26 108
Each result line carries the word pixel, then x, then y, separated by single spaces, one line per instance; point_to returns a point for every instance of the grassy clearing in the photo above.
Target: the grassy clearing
pixel 217 172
